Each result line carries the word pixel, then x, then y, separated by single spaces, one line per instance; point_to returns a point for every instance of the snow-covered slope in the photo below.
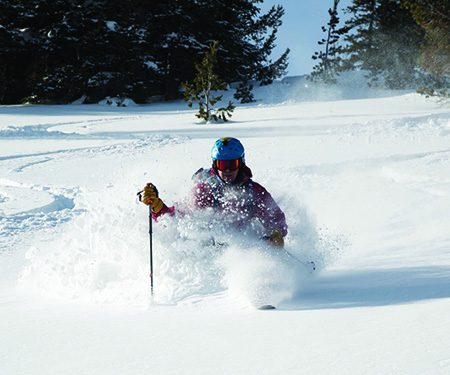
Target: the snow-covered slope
pixel 363 178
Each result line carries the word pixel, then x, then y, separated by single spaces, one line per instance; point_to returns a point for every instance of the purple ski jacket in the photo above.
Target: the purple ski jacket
pixel 245 199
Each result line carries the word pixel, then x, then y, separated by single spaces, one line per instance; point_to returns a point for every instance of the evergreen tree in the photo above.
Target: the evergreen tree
pixel 205 83
pixel 17 52
pixel 400 38
pixel 274 70
pixel 246 40
pixel 385 42
pixel 97 50
pixel 244 93
pixel 59 50
pixel 434 17
pixel 72 61
pixel 360 47
pixel 329 60
pixel 266 70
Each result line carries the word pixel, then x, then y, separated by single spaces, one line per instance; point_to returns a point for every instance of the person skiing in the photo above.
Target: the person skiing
pixel 228 189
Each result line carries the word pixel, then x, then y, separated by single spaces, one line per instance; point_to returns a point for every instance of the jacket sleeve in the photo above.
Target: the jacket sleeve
pixel 200 197
pixel 164 211
pixel 267 210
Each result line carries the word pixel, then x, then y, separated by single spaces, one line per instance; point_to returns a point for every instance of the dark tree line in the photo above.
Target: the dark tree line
pixel 401 43
pixel 61 50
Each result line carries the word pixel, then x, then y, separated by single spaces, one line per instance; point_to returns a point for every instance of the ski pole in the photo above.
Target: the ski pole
pixel 150 232
pixel 310 264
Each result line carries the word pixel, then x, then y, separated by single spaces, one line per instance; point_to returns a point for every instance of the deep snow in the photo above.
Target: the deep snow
pixel 362 175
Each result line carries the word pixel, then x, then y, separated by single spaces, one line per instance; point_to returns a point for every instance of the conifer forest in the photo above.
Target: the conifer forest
pixel 58 51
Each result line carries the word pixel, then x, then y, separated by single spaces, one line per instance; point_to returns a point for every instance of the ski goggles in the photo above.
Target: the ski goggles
pixel 223 165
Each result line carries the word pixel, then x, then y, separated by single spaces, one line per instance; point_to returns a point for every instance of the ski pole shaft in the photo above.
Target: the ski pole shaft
pixel 150 232
pixel 307 264
pixel 291 256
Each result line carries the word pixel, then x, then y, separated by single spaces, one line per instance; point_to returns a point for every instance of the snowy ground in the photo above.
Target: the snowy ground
pixel 364 180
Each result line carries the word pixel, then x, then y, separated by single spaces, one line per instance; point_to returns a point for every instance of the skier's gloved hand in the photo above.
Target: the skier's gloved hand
pixel 150 195
pixel 275 237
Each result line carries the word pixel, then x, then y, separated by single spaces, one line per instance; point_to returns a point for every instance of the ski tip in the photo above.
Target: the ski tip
pixel 266 307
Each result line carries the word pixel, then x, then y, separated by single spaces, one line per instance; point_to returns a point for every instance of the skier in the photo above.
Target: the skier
pixel 228 189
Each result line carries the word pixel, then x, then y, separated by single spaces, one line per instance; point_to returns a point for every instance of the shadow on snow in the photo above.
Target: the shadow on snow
pixel 376 287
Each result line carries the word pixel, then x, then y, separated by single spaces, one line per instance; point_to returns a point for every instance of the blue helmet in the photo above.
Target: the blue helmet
pixel 227 149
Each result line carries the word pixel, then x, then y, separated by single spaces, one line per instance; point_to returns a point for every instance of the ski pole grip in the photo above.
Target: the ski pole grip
pixel 139 194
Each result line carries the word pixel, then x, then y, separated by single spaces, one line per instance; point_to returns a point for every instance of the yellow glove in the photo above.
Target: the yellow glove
pixel 275 237
pixel 150 195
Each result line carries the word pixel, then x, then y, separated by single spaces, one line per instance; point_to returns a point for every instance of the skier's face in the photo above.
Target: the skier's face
pixel 228 176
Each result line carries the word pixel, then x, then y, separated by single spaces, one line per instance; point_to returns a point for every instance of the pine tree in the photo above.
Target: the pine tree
pixel 72 48
pixel 205 83
pixel 434 18
pixel 18 50
pixel 59 50
pixel 384 42
pixel 244 93
pixel 246 38
pixel 268 71
pixel 400 39
pixel 329 60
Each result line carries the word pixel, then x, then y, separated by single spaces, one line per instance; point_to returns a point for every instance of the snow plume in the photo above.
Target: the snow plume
pixel 203 255
pixel 103 257
pixel 307 239
pixel 99 256
pixel 350 85
pixel 262 275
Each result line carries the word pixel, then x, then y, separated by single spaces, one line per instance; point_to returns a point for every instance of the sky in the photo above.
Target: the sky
pixel 301 30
